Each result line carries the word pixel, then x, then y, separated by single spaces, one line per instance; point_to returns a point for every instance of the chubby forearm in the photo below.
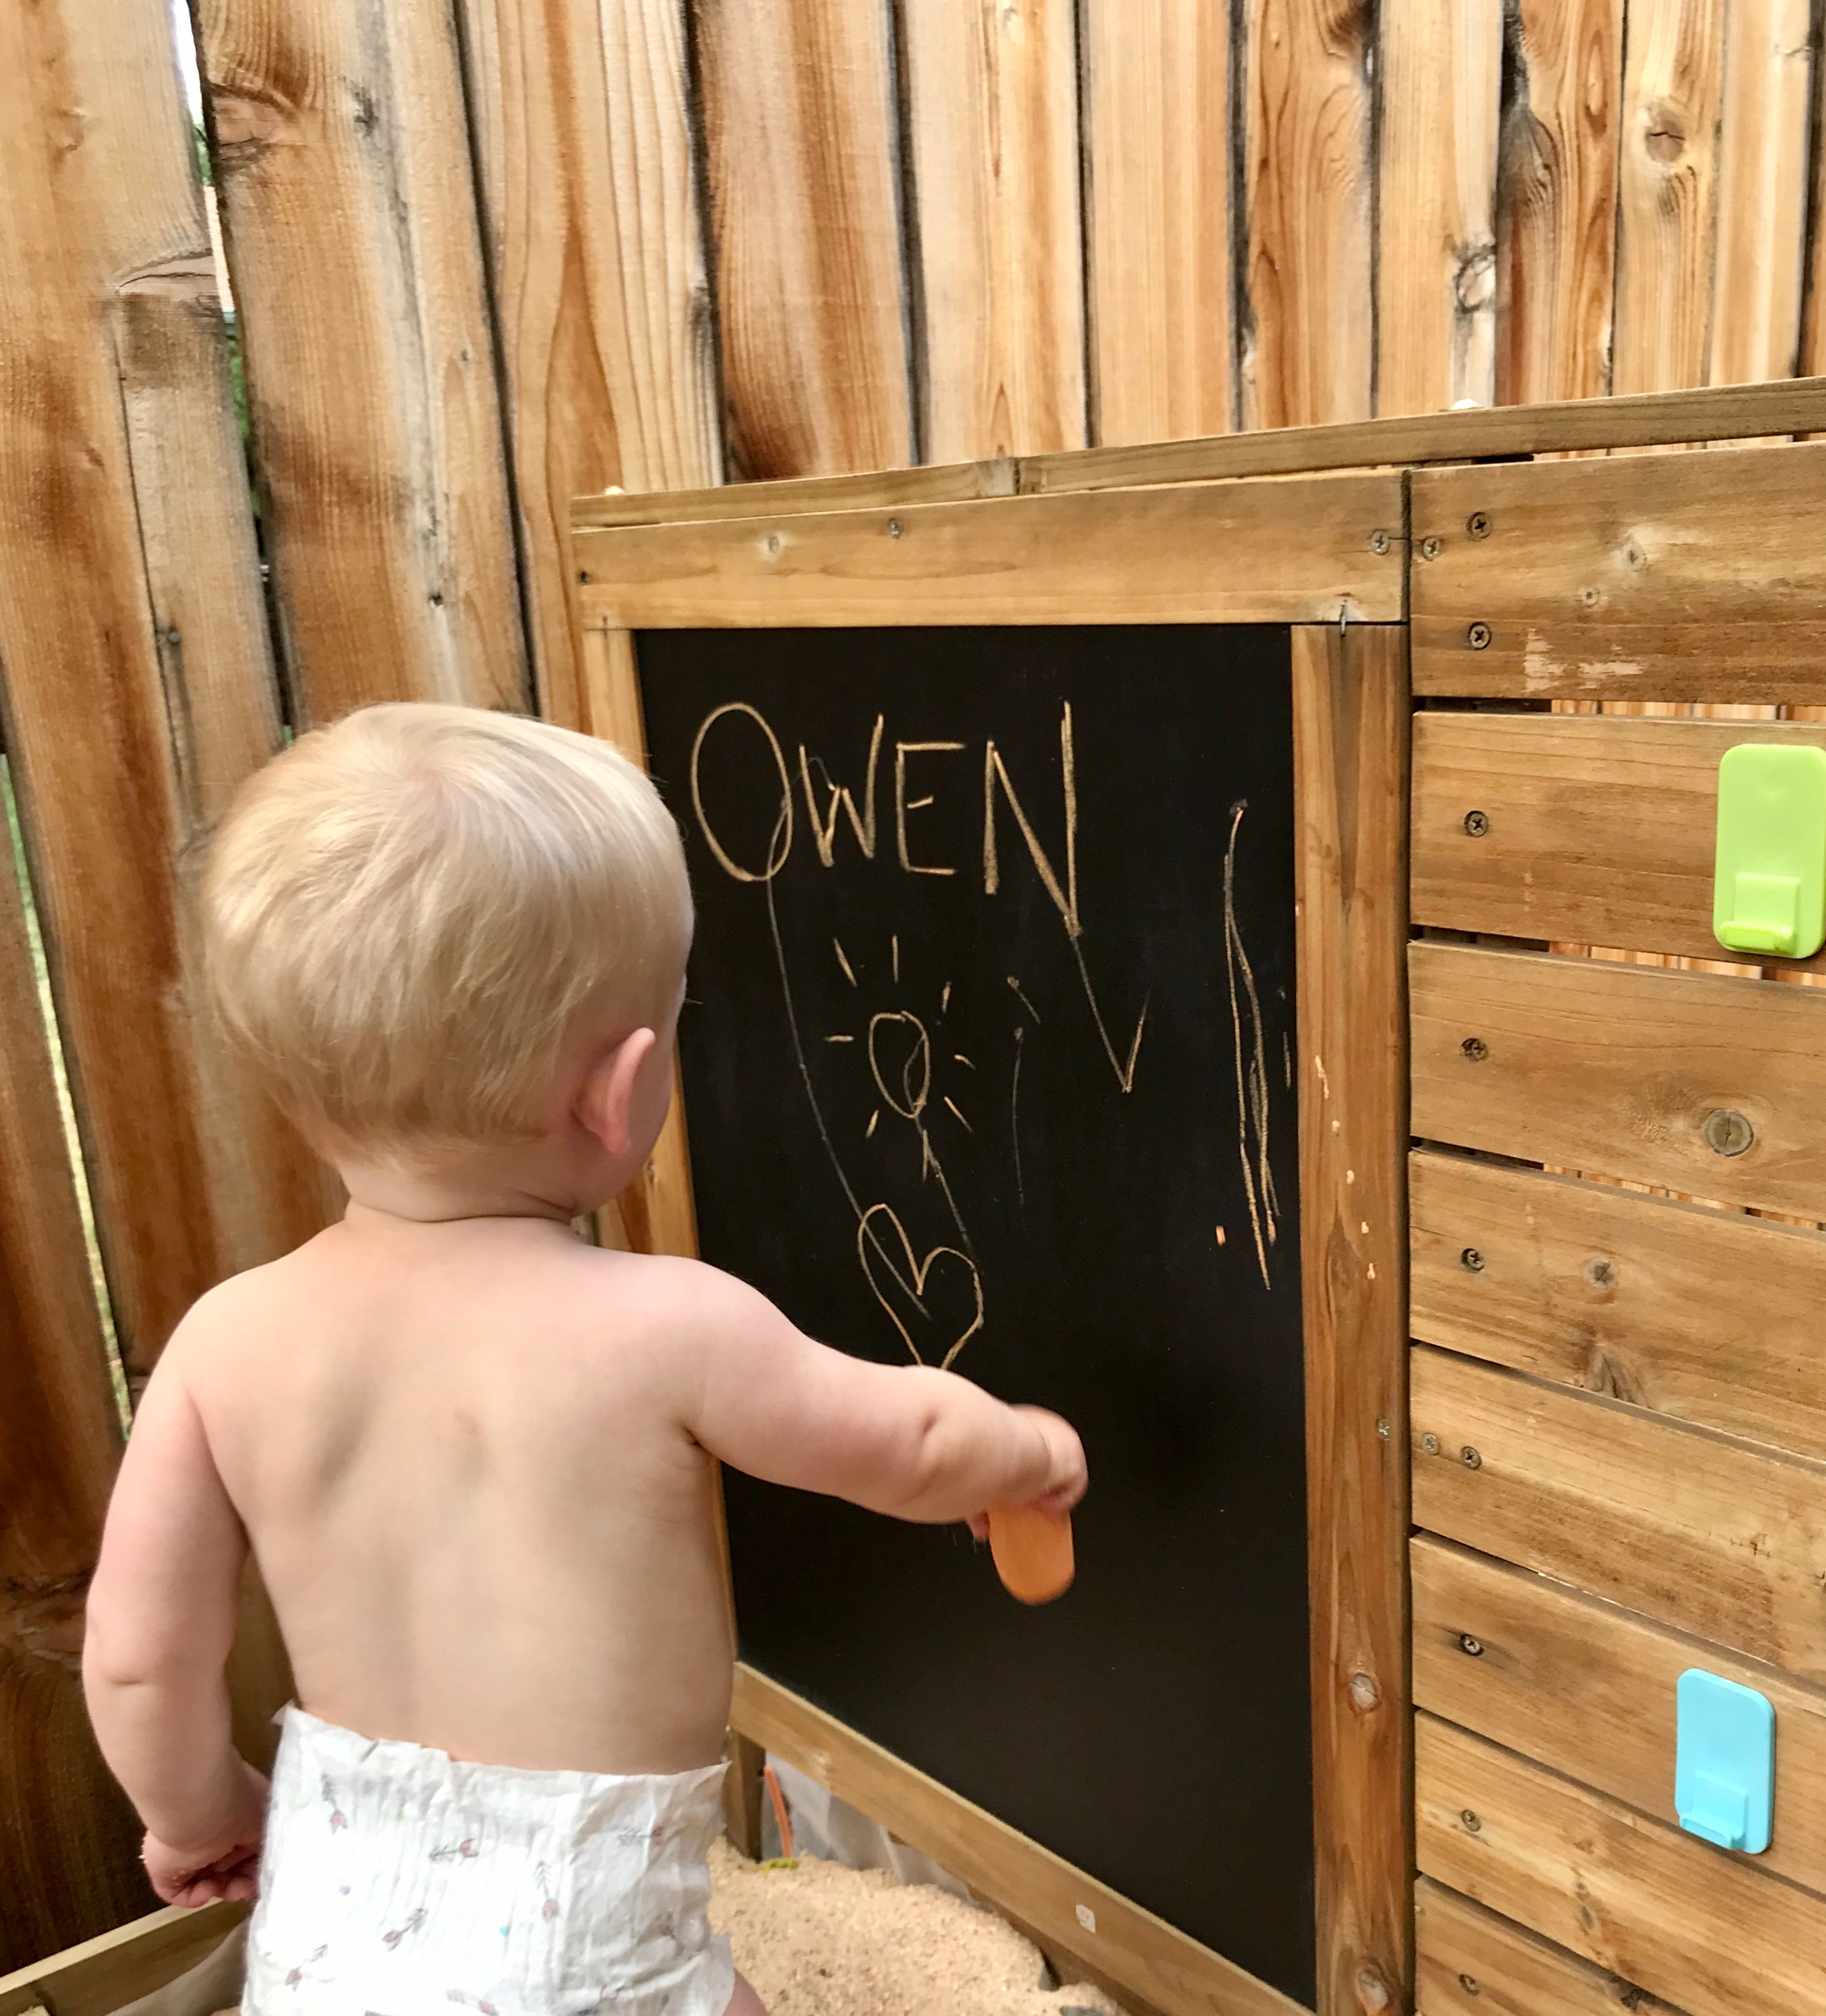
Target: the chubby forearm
pixel 165 1730
pixel 954 1451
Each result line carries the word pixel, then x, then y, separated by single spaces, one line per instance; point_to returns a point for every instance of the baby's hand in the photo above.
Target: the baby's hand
pixel 1066 1477
pixel 226 1866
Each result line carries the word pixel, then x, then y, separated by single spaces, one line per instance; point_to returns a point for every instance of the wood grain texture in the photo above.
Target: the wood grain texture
pixel 1765 110
pixel 343 167
pixel 1556 199
pixel 1667 196
pixel 799 121
pixel 1157 233
pixel 1722 1539
pixel 1129 1946
pixel 1648 578
pixel 104 1974
pixel 136 689
pixel 1440 71
pixel 1596 829
pixel 1293 552
pixel 1589 1690
pixel 992 121
pixel 1309 332
pixel 1711 1317
pixel 940 483
pixel 69 1841
pixel 1473 1963
pixel 1615 1069
pixel 588 208
pixel 1351 719
pixel 1654 1905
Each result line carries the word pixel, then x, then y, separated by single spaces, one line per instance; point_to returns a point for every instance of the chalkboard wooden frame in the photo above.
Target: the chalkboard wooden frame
pixel 1327 556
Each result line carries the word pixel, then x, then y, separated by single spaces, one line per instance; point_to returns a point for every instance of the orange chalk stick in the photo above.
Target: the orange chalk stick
pixel 1033 1552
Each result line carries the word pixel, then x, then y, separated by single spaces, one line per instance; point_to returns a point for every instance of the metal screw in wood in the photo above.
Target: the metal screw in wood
pixel 1469 1983
pixel 1430 548
pixel 1471 1822
pixel 1727 1133
pixel 1476 824
pixel 894 529
pixel 1471 1260
pixel 1601 1274
pixel 583 576
pixel 1430 1444
pixel 1477 636
pixel 1478 525
pixel 1379 541
pixel 1475 1050
pixel 1383 1430
pixel 1470 1458
pixel 1472 1647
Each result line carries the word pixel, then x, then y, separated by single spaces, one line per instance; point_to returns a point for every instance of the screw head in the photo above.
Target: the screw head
pixel 1475 1050
pixel 1384 1430
pixel 583 576
pixel 1472 1647
pixel 1430 548
pixel 1476 824
pixel 1470 1458
pixel 894 529
pixel 1477 636
pixel 1471 1260
pixel 1727 1133
pixel 1469 1983
pixel 1470 1822
pixel 1430 1444
pixel 775 542
pixel 1478 525
pixel 1602 1273
pixel 1379 541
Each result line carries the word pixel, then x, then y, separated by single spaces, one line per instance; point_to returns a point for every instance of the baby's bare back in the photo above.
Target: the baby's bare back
pixel 460 1453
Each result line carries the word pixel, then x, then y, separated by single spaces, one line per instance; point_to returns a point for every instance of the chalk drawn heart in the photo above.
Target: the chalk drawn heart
pixel 875 1253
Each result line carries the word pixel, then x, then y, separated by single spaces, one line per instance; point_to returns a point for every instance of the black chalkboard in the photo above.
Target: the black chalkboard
pixel 1017 1011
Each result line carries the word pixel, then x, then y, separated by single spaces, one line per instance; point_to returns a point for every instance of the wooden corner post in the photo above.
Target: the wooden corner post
pixel 1351 729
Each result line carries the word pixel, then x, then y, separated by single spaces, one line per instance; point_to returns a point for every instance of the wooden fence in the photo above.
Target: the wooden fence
pixel 487 255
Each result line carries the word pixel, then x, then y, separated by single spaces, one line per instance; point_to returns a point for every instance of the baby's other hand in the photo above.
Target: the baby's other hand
pixel 226 1867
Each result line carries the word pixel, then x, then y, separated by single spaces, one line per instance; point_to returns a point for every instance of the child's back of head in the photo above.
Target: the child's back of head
pixel 411 912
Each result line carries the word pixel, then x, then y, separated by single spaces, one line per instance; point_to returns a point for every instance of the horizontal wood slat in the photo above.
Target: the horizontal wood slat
pixel 1709 1315
pixel 105 1974
pixel 1594 830
pixel 874 489
pixel 1719 1538
pixel 1618 1069
pixel 1473 1963
pixel 1655 1905
pixel 1175 1974
pixel 1672 577
pixel 1224 552
pixel 1588 1689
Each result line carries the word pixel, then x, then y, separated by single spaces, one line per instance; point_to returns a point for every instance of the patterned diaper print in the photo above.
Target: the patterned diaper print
pixel 397 1882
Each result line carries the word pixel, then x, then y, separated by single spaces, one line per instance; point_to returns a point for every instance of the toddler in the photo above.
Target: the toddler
pixel 474 1457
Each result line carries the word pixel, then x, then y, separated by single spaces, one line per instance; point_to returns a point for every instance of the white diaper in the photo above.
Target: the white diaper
pixel 397 1882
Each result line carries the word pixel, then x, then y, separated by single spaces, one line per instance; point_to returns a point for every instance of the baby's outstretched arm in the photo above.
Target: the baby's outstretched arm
pixel 160 1625
pixel 908 1440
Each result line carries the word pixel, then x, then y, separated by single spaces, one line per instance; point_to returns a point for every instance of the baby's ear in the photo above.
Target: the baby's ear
pixel 605 1100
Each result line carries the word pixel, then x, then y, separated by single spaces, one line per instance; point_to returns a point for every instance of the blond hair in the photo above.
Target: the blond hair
pixel 409 913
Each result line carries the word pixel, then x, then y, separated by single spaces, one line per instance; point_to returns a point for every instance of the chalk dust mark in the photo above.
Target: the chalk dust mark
pixel 1251 1071
pixel 1014 1118
pixel 944 1001
pixel 1286 1063
pixel 919 1271
pixel 840 1039
pixel 873 1117
pixel 848 971
pixel 894 943
pixel 958 1058
pixel 1022 999
pixel 1221 1239
pixel 957 1116
pixel 916 1086
pixel 863 1231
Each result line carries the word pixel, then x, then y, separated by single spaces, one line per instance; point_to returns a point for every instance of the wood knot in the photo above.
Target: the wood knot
pixel 1372 1990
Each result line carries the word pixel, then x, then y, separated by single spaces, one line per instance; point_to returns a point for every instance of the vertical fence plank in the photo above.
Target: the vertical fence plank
pixel 1556 199
pixel 1436 251
pixel 589 202
pixel 1158 235
pixel 343 161
pixel 135 686
pixel 1668 194
pixel 1762 192
pixel 992 98
pixel 69 1841
pixel 799 121
pixel 1310 344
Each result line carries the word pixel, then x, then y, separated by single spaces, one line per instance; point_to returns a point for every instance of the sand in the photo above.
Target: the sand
pixel 817 1939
